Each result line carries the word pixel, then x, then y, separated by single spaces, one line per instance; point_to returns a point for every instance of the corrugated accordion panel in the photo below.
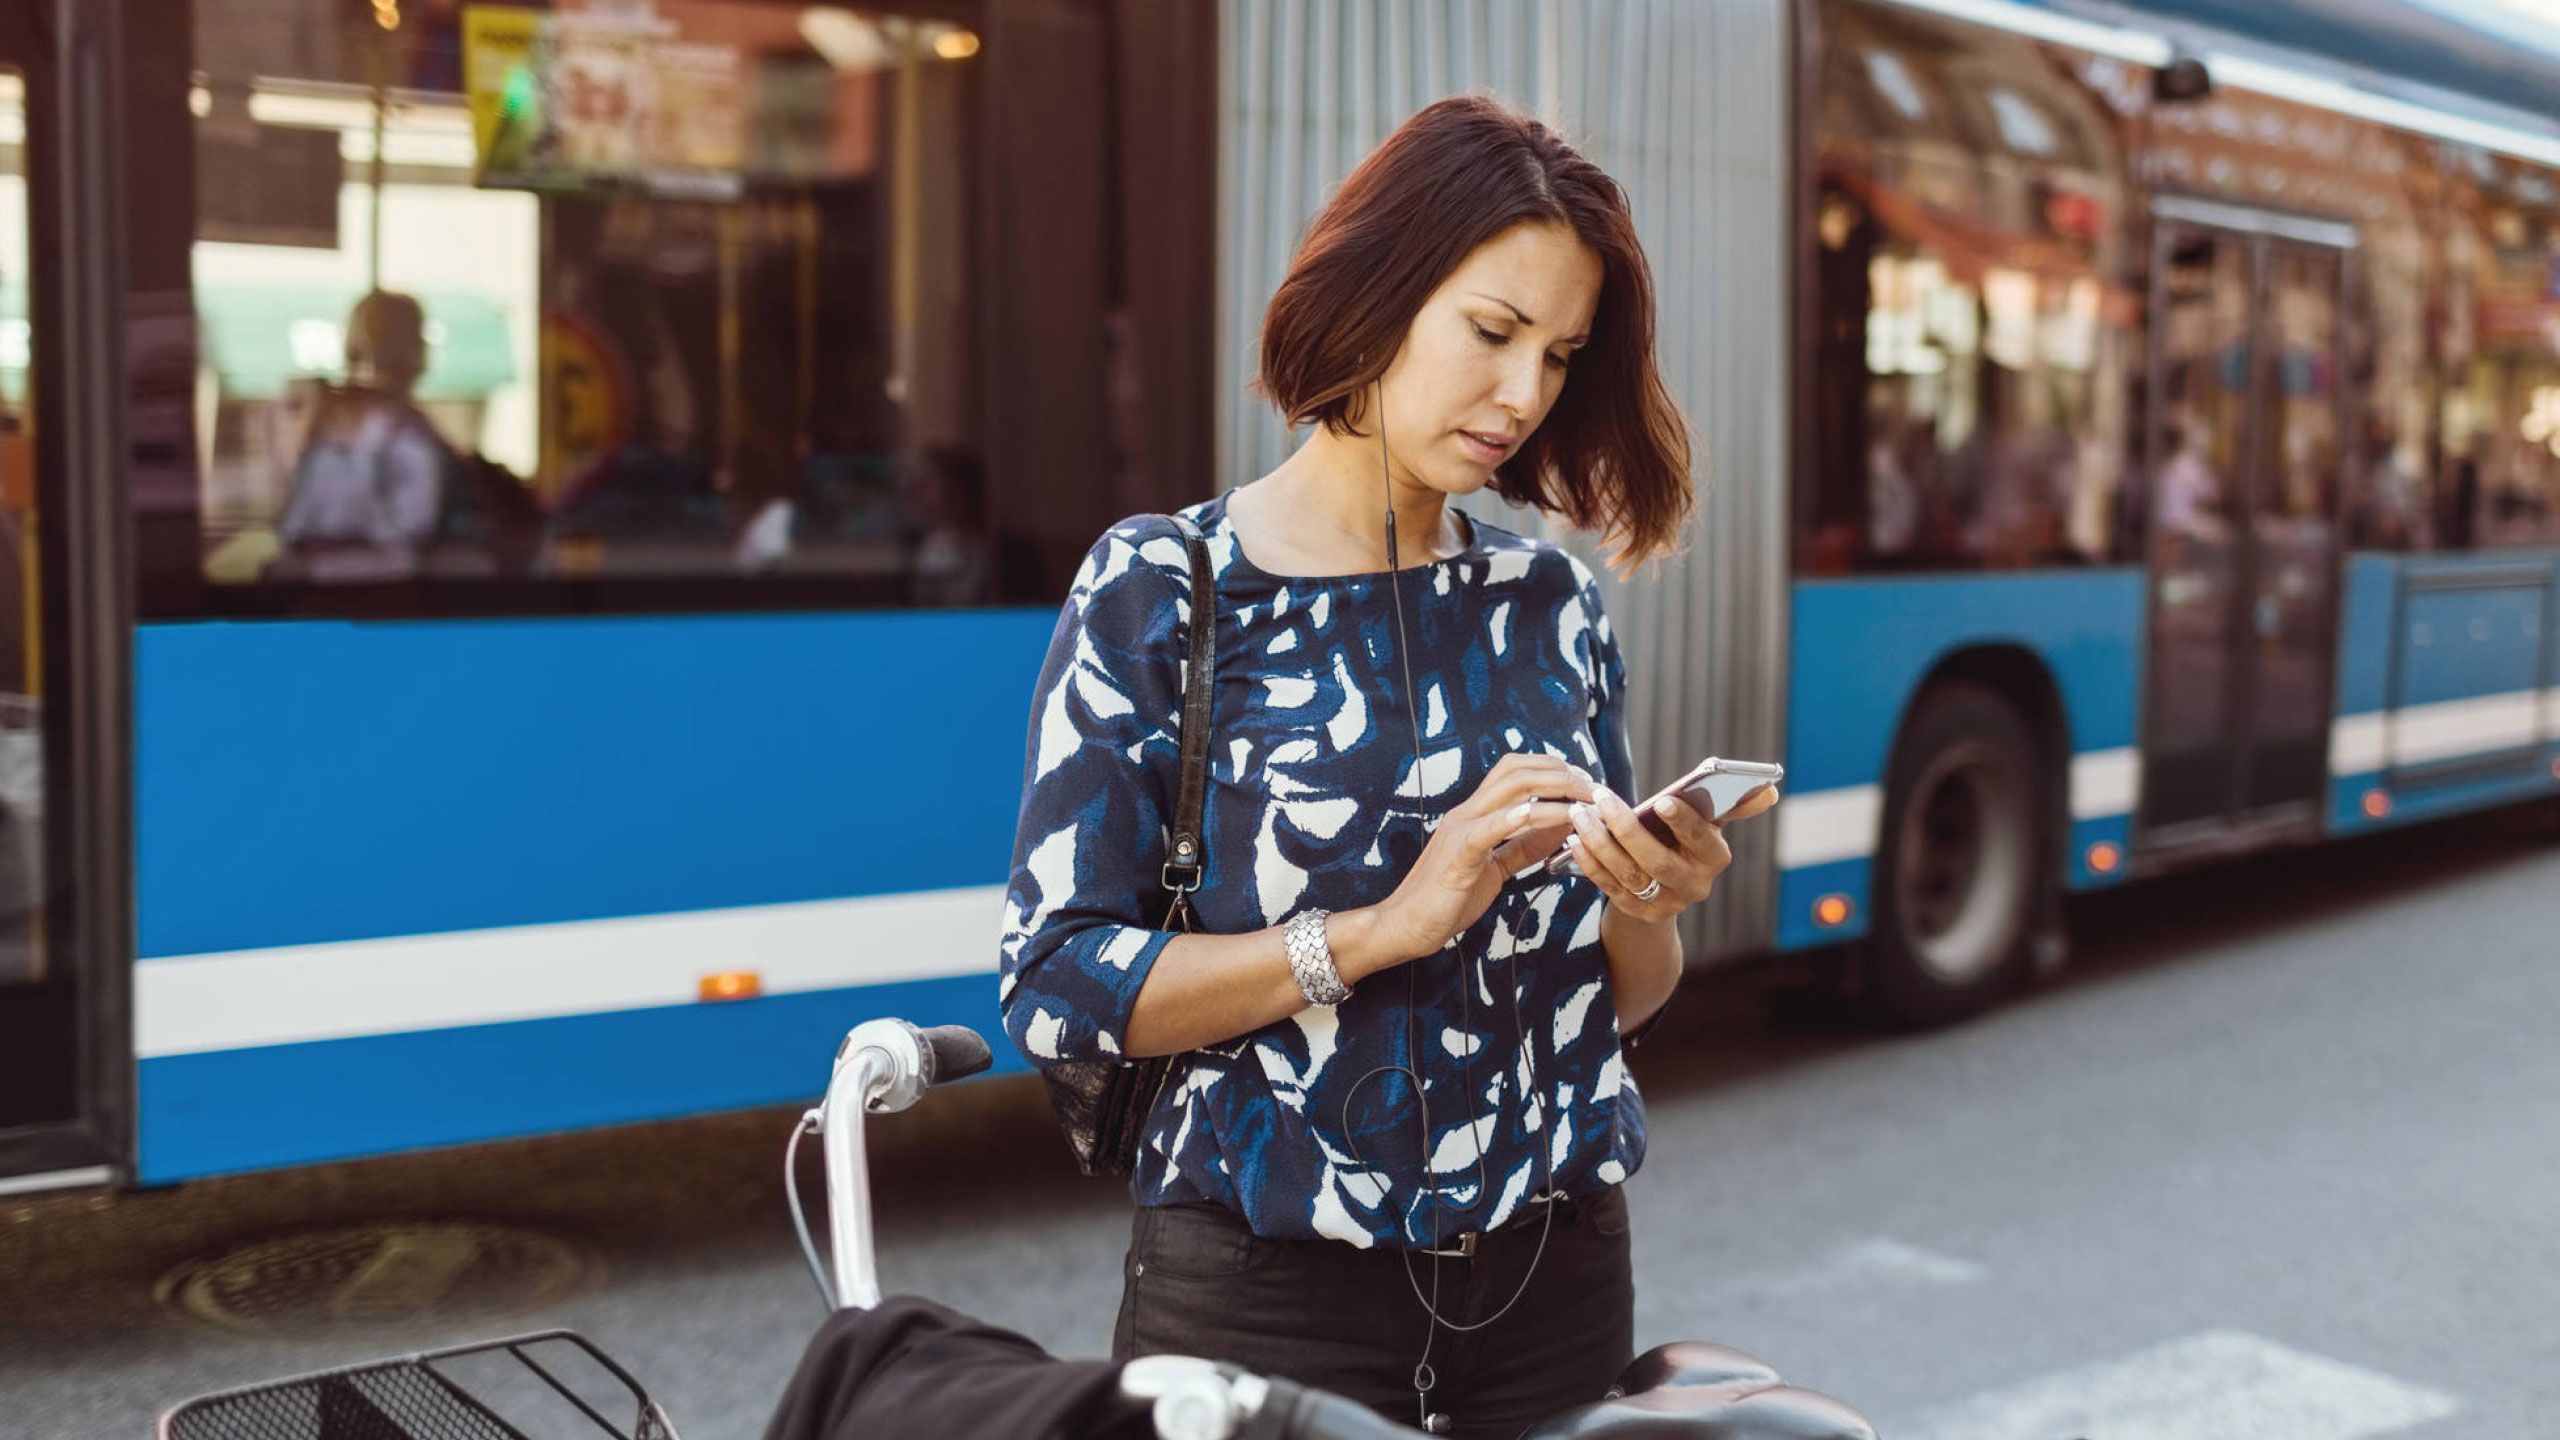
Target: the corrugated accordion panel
pixel 1685 102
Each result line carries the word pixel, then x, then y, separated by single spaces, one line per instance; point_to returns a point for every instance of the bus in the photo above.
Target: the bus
pixel 533 526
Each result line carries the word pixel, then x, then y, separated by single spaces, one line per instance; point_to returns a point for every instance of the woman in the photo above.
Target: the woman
pixel 1302 1209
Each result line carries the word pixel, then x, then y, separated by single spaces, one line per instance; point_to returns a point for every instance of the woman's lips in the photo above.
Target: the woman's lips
pixel 1488 451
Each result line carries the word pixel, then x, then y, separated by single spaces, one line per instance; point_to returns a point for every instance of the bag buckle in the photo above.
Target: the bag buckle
pixel 1186 861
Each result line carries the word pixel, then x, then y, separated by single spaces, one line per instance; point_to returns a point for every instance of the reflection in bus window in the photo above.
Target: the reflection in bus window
pixel 1973 350
pixel 695 290
pixel 22 777
pixel 2501 410
pixel 2203 331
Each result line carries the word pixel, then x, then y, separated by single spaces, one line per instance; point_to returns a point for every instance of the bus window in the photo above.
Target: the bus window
pixel 698 302
pixel 2501 410
pixel 37 1074
pixel 1973 353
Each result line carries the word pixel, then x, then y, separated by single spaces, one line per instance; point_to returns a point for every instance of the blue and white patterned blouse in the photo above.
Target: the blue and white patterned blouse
pixel 1312 802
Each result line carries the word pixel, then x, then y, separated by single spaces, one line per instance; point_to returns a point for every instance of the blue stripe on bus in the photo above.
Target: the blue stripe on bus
pixel 1862 647
pixel 2116 830
pixel 2439 798
pixel 234 1110
pixel 1799 890
pixel 307 782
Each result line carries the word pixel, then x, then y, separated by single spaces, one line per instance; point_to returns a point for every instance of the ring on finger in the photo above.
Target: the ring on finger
pixel 1652 891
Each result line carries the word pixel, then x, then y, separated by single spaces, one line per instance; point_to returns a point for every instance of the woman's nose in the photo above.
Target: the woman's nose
pixel 1519 391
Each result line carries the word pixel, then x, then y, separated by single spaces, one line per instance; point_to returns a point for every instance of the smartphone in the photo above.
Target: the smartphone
pixel 1715 788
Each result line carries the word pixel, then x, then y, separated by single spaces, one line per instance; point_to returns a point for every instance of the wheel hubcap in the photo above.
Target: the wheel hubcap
pixel 1964 855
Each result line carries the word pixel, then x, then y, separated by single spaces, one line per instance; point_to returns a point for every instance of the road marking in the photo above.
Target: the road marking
pixel 2215 1385
pixel 1867 1264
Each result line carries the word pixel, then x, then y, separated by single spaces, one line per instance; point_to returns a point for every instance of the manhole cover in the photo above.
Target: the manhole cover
pixel 381 1271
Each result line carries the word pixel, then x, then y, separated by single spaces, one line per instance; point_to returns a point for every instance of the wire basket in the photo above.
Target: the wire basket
pixel 551 1385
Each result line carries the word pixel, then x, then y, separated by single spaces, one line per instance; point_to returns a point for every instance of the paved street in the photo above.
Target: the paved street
pixel 2276 1157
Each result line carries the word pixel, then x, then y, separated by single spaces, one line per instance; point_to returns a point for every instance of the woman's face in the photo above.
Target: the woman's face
pixel 1486 356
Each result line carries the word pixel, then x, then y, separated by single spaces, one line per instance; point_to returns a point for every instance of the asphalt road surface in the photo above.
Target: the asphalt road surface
pixel 2276 1157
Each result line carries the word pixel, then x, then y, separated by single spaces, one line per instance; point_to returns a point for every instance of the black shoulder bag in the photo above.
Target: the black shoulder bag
pixel 1102 1105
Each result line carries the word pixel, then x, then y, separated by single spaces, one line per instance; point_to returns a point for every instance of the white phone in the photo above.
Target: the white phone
pixel 1714 788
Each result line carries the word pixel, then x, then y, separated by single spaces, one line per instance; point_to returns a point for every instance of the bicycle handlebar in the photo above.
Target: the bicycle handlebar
pixel 953 1052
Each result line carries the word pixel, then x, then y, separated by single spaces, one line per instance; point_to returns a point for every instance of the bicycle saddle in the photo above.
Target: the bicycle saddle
pixel 1690 1390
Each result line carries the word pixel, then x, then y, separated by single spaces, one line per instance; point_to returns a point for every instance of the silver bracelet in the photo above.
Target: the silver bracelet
pixel 1311 959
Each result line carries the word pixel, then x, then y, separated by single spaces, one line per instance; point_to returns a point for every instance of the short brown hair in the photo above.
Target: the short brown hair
pixel 1613 455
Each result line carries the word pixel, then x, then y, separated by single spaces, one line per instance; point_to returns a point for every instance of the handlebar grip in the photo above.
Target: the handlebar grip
pixel 953 1052
pixel 1296 1412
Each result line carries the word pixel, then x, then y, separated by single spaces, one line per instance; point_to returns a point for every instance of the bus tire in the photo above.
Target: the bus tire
pixel 1962 873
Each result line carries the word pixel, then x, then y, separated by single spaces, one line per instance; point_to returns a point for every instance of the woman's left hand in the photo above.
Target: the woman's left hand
pixel 1623 857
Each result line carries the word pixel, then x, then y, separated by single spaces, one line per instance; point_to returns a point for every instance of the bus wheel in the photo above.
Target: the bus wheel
pixel 1959 877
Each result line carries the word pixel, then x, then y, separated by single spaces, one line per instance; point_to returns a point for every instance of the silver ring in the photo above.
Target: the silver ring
pixel 1650 891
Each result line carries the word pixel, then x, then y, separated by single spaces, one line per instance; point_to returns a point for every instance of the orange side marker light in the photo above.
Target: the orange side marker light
pixel 732 985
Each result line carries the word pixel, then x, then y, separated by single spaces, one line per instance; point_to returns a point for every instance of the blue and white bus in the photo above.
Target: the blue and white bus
pixel 2133 436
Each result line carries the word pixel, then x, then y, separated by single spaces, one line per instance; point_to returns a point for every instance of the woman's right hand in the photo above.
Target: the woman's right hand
pixel 1454 880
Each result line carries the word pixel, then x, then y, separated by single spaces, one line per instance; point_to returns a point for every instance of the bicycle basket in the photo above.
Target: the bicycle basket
pixel 552 1385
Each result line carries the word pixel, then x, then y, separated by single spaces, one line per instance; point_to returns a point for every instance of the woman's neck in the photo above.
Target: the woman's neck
pixel 1325 500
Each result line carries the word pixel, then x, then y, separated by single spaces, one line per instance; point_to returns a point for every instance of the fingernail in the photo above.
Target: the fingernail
pixel 1520 811
pixel 1664 805
pixel 1579 811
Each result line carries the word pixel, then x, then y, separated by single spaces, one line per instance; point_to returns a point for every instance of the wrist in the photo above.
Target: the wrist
pixel 1613 918
pixel 1359 950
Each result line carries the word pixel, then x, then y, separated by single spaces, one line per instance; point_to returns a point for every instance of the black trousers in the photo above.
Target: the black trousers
pixel 1197 1281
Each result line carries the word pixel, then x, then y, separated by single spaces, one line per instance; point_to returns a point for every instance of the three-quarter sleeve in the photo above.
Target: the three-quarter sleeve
pixel 1607 670
pixel 1098 784
pixel 1608 711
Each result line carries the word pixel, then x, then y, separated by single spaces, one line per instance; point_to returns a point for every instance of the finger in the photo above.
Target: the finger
pixel 1530 846
pixel 1761 800
pixel 1643 847
pixel 1698 857
pixel 1524 818
pixel 1519 777
pixel 1603 858
pixel 1691 830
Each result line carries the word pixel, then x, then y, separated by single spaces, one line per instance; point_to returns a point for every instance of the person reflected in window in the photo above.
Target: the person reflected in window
pixel 948 506
pixel 368 486
pixel 2394 513
pixel 2461 497
pixel 1893 497
pixel 2190 491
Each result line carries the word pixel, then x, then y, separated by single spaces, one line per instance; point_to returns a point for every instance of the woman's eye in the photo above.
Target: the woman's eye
pixel 1558 362
pixel 1490 338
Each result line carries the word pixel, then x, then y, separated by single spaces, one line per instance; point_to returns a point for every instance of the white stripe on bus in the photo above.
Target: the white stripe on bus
pixel 2376 740
pixel 296 993
pixel 1824 827
pixel 2105 783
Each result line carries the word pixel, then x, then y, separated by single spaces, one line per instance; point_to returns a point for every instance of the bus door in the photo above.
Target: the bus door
pixel 2244 476
pixel 59 1048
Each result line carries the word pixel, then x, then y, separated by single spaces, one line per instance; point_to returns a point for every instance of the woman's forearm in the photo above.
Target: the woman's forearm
pixel 1645 961
pixel 1209 989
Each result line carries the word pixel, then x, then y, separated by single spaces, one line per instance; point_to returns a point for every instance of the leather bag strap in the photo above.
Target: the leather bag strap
pixel 1184 861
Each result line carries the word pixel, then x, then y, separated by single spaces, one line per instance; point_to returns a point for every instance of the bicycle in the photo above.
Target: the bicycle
pixel 556 1385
